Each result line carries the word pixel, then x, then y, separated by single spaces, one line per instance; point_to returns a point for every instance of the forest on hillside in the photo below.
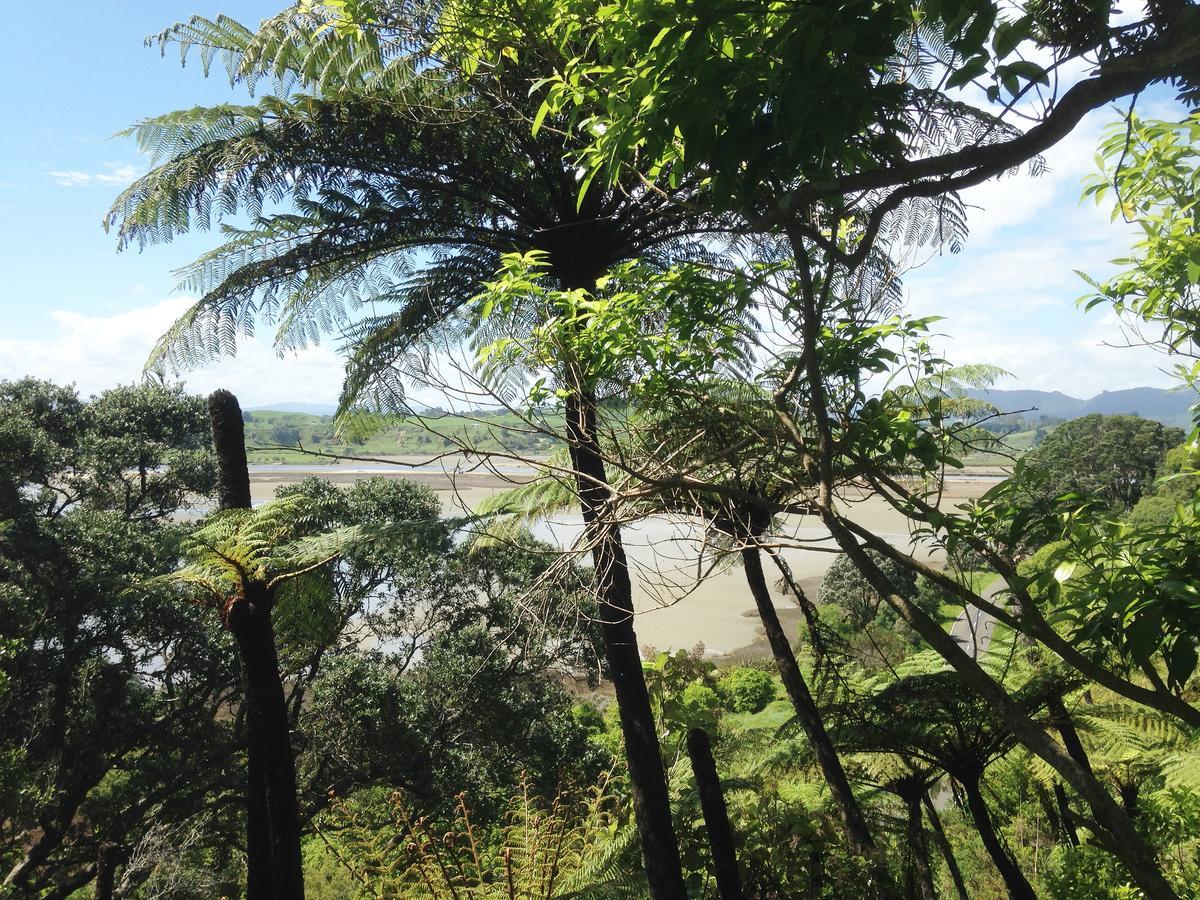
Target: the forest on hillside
pixel 274 436
pixel 665 245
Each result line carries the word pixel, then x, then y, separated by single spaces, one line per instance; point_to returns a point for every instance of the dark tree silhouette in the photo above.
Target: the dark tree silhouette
pixel 273 861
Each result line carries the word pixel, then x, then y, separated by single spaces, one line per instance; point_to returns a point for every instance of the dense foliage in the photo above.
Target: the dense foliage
pixel 667 239
pixel 1111 459
pixel 107 714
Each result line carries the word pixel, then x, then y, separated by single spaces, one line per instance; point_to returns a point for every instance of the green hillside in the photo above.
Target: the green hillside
pixel 414 435
pixel 1018 444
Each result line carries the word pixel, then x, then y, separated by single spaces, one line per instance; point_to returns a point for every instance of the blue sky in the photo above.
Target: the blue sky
pixel 75 310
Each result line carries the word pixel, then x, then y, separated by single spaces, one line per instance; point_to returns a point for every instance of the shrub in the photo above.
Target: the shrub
pixel 760 663
pixel 1152 512
pixel 700 706
pixel 849 589
pixel 746 690
pixel 285 434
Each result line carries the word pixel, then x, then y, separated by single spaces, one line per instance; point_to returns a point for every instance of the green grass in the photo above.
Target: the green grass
pixel 1002 640
pixel 979 581
pixel 948 613
pixel 1018 443
pixel 771 716
pixel 409 436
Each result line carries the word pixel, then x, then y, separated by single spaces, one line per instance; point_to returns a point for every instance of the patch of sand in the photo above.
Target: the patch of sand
pixel 678 603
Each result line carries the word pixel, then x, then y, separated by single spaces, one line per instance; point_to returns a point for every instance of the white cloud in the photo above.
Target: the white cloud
pixel 1021 199
pixel 1082 363
pixel 1010 297
pixel 110 174
pixel 96 352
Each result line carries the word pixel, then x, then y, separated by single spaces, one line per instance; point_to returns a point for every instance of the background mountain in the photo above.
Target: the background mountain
pixel 1171 407
pixel 312 409
pixel 1167 406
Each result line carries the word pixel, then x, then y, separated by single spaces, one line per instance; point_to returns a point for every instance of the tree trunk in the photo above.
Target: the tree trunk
pixel 37 853
pixel 939 837
pixel 716 815
pixel 647 776
pixel 256 649
pixel 106 870
pixel 1014 878
pixel 810 716
pixel 229 441
pixel 816 867
pixel 1064 815
pixel 250 622
pixel 258 828
pixel 807 608
pixel 1129 799
pixel 1126 844
pixel 1065 725
pixel 918 875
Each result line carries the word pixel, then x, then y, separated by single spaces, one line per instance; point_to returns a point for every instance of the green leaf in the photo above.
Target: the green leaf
pixel 1009 34
pixel 1181 660
pixel 1024 68
pixel 1064 570
pixel 540 117
pixel 1144 635
pixel 970 70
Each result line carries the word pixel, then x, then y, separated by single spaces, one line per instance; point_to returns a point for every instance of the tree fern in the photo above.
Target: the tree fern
pixel 269 546
pixel 1135 744
pixel 381 189
pixel 577 845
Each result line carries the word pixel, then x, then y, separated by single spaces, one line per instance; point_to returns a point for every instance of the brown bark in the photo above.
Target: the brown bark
pixel 250 622
pixel 273 864
pixel 1064 815
pixel 918 875
pixel 106 870
pixel 258 829
pixel 229 441
pixel 647 776
pixel 1014 879
pixel 1062 722
pixel 939 837
pixel 810 718
pixel 716 815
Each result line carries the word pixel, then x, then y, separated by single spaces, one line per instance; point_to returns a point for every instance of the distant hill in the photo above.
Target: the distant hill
pixel 312 409
pixel 1167 406
pixel 1054 404
pixel 281 429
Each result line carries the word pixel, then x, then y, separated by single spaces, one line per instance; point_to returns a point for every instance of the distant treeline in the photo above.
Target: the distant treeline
pixel 431 432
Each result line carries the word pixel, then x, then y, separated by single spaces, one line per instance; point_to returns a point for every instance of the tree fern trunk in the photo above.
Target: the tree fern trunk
pixel 1014 878
pixel 106 870
pixel 939 837
pixel 1061 719
pixel 229 442
pixel 1126 843
pixel 258 828
pixel 233 492
pixel 1064 815
pixel 647 777
pixel 250 622
pixel 810 717
pixel 918 875
pixel 716 814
